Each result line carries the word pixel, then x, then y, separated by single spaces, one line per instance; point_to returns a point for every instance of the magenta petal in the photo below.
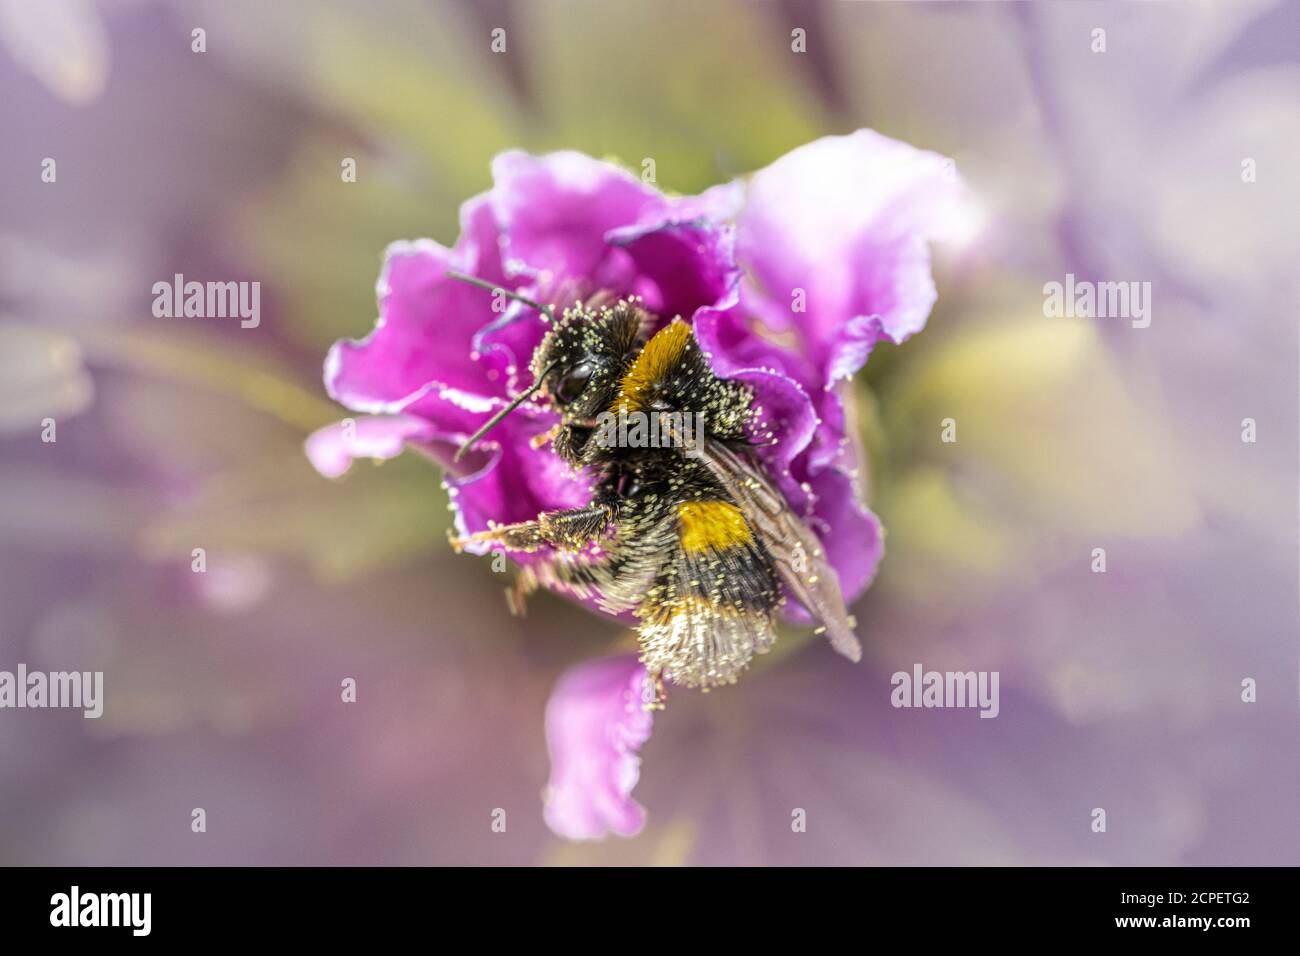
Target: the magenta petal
pixel 684 266
pixel 506 345
pixel 784 424
pixel 721 203
pixel 516 482
pixel 332 449
pixel 844 219
pixel 554 210
pixel 849 530
pixel 427 323
pixel 734 343
pixel 596 721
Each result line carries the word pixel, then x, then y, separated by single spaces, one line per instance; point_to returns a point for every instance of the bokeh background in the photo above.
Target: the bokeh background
pixel 1119 690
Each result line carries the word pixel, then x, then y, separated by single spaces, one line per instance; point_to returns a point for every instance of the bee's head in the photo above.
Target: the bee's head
pixel 584 356
pixel 579 365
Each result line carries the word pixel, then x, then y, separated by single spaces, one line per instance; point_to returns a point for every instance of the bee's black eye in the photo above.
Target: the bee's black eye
pixel 572 383
pixel 629 485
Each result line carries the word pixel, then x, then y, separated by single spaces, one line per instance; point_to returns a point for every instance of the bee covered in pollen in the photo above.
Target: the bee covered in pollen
pixel 690 536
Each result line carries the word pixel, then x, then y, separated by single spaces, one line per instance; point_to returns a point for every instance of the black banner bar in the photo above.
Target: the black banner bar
pixel 332 905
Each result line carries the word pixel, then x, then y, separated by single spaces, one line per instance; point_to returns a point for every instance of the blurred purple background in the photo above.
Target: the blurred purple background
pixel 1119 690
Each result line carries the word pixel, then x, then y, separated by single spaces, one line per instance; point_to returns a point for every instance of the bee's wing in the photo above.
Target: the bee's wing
pixel 796 552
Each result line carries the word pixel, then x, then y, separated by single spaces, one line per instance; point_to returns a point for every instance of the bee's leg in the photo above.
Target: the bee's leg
pixel 523 536
pixel 570 530
pixel 580 576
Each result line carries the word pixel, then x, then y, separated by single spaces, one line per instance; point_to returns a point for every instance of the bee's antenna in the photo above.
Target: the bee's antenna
pixel 496 419
pixel 474 281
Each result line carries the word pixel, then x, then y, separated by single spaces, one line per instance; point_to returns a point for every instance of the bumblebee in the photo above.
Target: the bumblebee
pixel 695 541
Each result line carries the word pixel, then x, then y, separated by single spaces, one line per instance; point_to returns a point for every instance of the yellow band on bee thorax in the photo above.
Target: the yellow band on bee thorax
pixel 657 358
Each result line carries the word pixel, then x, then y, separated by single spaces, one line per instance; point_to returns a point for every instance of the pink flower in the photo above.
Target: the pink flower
pixel 789 280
